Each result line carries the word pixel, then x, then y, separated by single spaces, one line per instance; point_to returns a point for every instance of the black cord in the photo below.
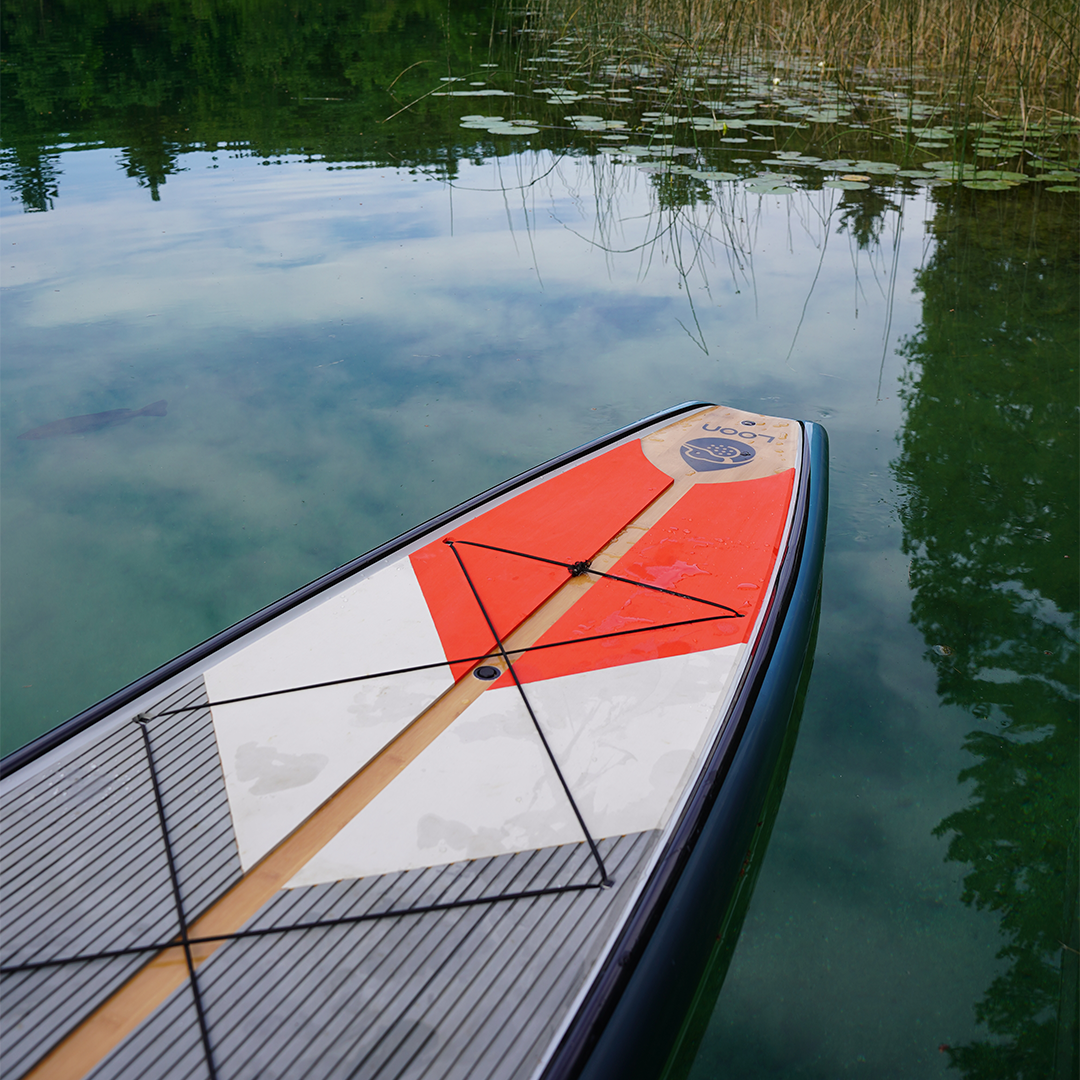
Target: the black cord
pixel 314 924
pixel 204 1030
pixel 438 664
pixel 576 569
pixel 604 879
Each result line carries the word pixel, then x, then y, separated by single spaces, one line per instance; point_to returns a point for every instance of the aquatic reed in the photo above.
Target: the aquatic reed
pixel 999 57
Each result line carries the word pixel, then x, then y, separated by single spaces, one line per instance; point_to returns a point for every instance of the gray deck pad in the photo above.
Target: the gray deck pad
pixel 467 991
pixel 85 872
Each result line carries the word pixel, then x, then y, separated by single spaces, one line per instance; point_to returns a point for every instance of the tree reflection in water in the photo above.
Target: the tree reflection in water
pixel 989 459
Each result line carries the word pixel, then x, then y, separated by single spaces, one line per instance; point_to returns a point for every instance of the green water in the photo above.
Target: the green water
pixel 358 319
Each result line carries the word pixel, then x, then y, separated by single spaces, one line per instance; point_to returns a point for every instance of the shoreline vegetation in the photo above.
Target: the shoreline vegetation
pixel 974 58
pixel 981 94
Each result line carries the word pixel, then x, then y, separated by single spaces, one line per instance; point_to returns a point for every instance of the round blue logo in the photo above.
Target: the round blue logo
pixel 705 455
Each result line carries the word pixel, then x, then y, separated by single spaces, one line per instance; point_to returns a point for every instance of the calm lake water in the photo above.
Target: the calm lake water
pixel 358 318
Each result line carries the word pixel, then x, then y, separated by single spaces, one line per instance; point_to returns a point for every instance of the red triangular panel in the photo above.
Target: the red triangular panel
pixel 569 517
pixel 719 542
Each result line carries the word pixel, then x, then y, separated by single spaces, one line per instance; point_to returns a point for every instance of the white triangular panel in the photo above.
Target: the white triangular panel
pixel 283 756
pixel 484 787
pixel 625 738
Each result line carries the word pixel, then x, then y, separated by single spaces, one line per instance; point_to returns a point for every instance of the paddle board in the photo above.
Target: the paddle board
pixel 470 805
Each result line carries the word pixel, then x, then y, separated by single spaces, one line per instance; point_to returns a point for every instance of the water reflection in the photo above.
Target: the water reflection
pixel 168 78
pixel 681 1059
pixel 988 460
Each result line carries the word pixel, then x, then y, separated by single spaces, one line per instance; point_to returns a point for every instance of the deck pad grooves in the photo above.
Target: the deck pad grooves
pixel 101 865
pixel 440 996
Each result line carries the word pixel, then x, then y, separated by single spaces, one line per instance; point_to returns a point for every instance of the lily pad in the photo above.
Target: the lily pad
pixel 935 133
pixel 917 174
pixel 709 174
pixel 513 129
pixel 472 93
pixel 990 185
pixel 759 188
pixel 955 171
pixel 1063 187
pixel 1000 174
pixel 846 185
pixel 876 167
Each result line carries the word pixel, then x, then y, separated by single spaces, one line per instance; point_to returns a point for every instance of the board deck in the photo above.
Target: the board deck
pixel 413 820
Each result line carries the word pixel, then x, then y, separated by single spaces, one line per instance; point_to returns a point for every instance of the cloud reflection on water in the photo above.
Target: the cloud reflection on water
pixel 341 364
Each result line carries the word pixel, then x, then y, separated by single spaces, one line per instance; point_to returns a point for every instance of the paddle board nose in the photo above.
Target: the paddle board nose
pixel 722 445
